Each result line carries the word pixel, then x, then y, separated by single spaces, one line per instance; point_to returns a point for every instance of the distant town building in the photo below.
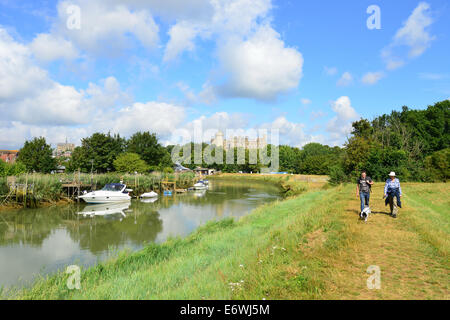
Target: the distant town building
pixel 9 156
pixel 239 142
pixel 204 171
pixel 64 150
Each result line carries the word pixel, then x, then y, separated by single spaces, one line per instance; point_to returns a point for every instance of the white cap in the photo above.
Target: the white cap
pixel 392 174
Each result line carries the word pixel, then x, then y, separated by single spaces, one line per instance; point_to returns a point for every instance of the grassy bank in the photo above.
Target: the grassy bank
pixel 47 188
pixel 310 246
pixel 291 185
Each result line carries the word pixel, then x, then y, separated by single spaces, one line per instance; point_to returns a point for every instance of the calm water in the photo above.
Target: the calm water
pixel 39 241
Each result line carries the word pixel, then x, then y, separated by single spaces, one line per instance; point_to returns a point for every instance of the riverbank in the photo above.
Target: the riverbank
pixel 45 189
pixel 290 185
pixel 310 246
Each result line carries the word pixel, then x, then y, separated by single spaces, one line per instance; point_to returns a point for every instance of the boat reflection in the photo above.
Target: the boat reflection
pixel 149 200
pixel 199 193
pixel 107 209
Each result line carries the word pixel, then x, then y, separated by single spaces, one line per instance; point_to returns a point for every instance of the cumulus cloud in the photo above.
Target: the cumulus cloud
pixel 47 47
pixel 18 75
pixel 341 125
pixel 159 117
pixel 413 36
pixel 371 78
pixel 250 51
pixel 290 133
pixel 345 80
pixel 182 37
pixel 260 67
pixel 33 104
pixel 106 28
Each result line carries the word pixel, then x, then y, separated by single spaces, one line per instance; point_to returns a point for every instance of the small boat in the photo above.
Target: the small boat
pixel 151 194
pixel 206 182
pixel 200 186
pixel 113 192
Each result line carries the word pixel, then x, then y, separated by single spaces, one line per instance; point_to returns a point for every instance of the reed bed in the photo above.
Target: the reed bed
pixel 49 187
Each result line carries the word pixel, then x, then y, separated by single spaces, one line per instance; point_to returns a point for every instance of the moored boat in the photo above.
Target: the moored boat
pixel 151 194
pixel 113 192
pixel 200 186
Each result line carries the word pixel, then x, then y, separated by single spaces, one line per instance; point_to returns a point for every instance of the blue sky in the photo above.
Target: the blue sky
pixel 305 68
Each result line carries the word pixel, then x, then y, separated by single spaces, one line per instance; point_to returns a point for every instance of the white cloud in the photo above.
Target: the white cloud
pixel 345 80
pixel 208 94
pixel 305 101
pixel 182 37
pixel 18 75
pixel 260 67
pixel 32 104
pixel 330 71
pixel 290 133
pixel 371 78
pixel 413 36
pixel 106 29
pixel 47 47
pixel 340 126
pixel 317 115
pixel 162 118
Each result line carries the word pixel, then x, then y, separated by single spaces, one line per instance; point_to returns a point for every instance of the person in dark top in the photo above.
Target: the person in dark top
pixel 363 188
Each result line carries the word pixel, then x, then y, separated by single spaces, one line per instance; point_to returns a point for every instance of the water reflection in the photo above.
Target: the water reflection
pixel 43 240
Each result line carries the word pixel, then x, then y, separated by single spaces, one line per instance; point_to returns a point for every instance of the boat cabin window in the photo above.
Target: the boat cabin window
pixel 113 187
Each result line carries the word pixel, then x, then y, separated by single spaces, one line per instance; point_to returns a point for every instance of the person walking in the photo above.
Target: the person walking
pixel 363 188
pixel 392 190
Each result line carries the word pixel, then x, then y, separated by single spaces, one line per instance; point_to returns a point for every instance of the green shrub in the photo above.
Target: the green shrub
pixel 337 175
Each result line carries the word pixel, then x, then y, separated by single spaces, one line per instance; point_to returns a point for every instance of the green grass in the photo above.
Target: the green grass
pixel 311 246
pixel 204 264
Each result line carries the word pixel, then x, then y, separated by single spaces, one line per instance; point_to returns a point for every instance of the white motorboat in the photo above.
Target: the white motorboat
pixel 105 209
pixel 113 192
pixel 149 200
pixel 200 186
pixel 151 194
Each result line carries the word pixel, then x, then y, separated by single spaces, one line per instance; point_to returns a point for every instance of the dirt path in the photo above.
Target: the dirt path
pixel 411 268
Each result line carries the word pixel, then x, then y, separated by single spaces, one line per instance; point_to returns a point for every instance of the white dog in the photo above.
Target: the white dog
pixel 365 213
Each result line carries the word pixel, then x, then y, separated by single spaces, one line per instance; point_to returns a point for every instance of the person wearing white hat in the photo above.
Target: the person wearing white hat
pixel 392 190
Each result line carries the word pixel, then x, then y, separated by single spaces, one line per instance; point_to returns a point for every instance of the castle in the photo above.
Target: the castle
pixel 238 142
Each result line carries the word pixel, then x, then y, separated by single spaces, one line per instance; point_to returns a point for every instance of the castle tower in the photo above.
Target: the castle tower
pixel 218 139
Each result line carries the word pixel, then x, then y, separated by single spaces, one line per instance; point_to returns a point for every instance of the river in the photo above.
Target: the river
pixel 41 241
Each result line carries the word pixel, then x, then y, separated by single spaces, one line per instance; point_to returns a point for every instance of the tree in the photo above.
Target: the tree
pixel 437 166
pixel 97 152
pixel 36 155
pixel 11 169
pixel 130 163
pixel 146 145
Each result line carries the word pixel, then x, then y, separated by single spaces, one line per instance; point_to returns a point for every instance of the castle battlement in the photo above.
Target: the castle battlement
pixel 239 142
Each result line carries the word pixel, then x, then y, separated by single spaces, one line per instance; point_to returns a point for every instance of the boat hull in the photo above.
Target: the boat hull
pixel 100 200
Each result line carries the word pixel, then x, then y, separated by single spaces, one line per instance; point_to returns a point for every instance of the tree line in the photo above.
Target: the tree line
pixel 413 143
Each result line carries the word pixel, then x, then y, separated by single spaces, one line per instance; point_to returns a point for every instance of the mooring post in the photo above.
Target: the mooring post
pixel 26 191
pixel 79 186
